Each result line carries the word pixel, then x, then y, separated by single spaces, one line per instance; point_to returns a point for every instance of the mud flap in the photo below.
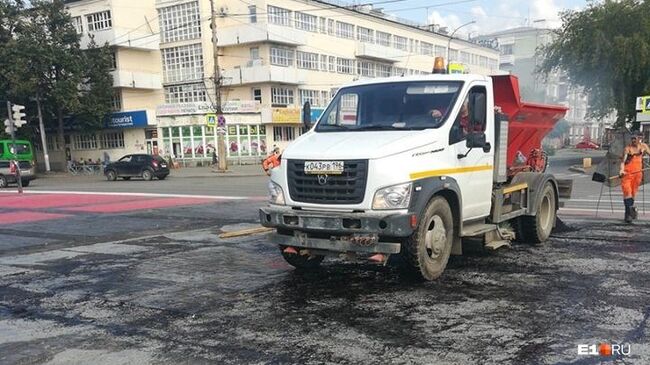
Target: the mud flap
pixel 457 247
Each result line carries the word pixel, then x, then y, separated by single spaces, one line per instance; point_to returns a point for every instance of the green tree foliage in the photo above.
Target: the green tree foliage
pixel 47 62
pixel 560 129
pixel 604 49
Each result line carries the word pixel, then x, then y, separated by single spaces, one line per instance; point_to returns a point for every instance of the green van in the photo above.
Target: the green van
pixel 24 155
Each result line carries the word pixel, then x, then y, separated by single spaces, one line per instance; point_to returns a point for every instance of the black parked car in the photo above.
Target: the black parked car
pixel 145 166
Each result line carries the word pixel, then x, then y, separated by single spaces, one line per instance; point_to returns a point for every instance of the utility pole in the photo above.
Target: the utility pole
pixel 41 126
pixel 221 143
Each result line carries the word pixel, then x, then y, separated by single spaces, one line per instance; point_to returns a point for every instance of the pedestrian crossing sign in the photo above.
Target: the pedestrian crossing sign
pixel 211 120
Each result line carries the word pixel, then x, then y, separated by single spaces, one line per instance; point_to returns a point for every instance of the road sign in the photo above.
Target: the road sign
pixel 221 121
pixel 211 120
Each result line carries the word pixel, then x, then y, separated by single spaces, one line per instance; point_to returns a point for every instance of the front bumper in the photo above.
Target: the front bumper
pixel 377 232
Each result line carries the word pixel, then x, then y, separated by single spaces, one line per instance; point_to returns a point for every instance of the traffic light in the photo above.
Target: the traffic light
pixel 8 126
pixel 18 115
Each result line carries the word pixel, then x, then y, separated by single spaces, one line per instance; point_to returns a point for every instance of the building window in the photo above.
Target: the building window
pixel 111 140
pixel 313 97
pixel 330 26
pixel 284 134
pixel 257 95
pixel 415 45
pixel 99 21
pixel 344 30
pixel 506 49
pixel 365 35
pixel 84 142
pixel 441 51
pixel 383 38
pixel 383 70
pixel 116 101
pixel 426 48
pixel 252 13
pixel 187 93
pixel 482 62
pixel 332 64
pixel 344 65
pixel 78 25
pixel 279 16
pixel 366 68
pixel 323 25
pixel 323 62
pixel 464 57
pixel 305 22
pixel 307 60
pixel 400 43
pixel 52 143
pixel 113 60
pixel 180 22
pixel 325 97
pixel 399 71
pixel 281 96
pixel 183 63
pixel 492 64
pixel 281 56
pixel 453 55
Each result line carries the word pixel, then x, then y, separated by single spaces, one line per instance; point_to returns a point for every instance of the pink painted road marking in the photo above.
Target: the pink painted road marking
pixel 58 200
pixel 138 205
pixel 26 217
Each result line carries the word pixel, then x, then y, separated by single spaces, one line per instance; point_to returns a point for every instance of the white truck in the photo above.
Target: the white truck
pixel 411 165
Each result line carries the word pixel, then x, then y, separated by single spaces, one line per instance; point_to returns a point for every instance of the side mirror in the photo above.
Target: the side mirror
pixel 306 116
pixel 476 140
pixel 478 106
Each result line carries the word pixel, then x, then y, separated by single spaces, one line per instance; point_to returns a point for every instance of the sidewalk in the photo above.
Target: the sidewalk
pixel 183 172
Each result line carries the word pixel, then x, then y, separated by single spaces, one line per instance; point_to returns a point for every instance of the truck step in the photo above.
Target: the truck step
pixel 477 229
pixel 495 245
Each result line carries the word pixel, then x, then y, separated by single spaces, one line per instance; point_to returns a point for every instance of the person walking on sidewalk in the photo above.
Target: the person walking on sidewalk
pixel 632 174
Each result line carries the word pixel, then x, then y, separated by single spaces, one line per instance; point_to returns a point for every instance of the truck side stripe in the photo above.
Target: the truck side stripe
pixel 450 171
pixel 517 187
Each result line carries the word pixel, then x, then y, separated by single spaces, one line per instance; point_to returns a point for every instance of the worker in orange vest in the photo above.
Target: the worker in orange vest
pixel 272 161
pixel 632 174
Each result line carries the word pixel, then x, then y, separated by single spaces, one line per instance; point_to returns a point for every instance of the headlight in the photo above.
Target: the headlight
pixel 276 194
pixel 393 197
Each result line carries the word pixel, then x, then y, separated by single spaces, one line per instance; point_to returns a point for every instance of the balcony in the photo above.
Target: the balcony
pixel 123 37
pixel 379 52
pixel 258 72
pixel 136 80
pixel 245 34
pixel 507 59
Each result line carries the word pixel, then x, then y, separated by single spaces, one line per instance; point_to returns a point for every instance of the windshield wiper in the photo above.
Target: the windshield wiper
pixel 378 127
pixel 334 126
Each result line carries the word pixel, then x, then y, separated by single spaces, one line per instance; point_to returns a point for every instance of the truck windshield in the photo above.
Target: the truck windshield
pixel 390 106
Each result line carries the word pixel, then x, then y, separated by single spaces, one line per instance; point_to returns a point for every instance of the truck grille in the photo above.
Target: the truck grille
pixel 25 165
pixel 346 188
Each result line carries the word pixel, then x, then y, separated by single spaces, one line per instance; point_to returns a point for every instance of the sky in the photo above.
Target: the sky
pixel 490 15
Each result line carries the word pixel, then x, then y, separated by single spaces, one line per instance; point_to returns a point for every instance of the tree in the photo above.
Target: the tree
pixel 604 49
pixel 96 89
pixel 9 16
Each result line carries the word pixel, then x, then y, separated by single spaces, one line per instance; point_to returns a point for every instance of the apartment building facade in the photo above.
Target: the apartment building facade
pixel 130 28
pixel 273 56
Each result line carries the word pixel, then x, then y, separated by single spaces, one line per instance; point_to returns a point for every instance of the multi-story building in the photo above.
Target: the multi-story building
pixel 275 55
pixel 130 28
pixel 519 56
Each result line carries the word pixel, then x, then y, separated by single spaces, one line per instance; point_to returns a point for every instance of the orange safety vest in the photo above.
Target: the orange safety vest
pixel 271 162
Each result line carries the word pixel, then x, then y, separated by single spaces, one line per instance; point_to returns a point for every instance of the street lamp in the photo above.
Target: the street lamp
pixel 452 36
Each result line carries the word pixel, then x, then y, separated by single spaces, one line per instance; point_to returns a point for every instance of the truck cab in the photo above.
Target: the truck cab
pixel 403 165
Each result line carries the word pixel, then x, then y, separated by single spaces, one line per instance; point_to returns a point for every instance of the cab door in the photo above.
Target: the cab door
pixel 474 165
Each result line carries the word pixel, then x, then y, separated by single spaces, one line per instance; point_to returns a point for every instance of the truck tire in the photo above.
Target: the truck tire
pixel 298 261
pixel 427 250
pixel 537 228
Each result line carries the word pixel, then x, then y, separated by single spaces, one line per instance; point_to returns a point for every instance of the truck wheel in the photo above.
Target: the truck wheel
pixel 301 261
pixel 537 228
pixel 429 247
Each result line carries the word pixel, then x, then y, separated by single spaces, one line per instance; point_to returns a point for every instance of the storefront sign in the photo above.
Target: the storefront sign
pixel 285 115
pixel 315 114
pixel 231 106
pixel 135 119
pixel 643 104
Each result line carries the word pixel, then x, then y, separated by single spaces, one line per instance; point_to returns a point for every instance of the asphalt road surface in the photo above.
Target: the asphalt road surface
pixel 143 278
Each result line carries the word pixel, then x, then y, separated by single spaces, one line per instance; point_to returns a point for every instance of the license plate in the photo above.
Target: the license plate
pixel 163 165
pixel 323 167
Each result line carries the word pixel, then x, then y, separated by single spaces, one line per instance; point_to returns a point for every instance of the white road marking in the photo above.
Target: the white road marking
pixel 153 195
